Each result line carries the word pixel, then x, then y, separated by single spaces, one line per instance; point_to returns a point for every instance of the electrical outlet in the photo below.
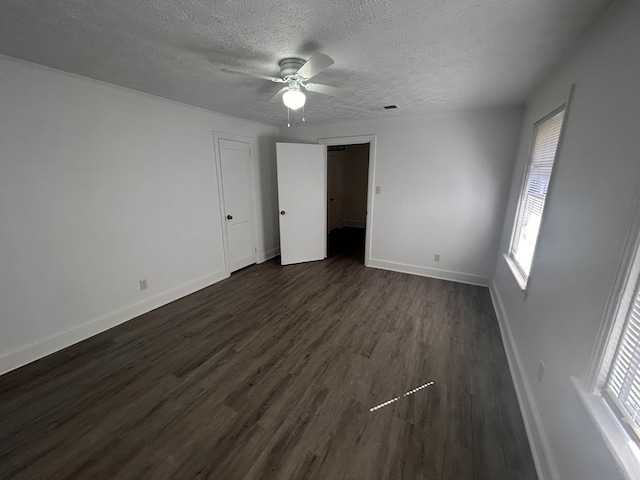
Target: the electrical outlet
pixel 540 373
pixel 436 257
pixel 378 190
pixel 143 284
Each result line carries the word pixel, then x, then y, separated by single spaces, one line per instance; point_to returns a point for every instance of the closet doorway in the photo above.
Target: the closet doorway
pixel 348 175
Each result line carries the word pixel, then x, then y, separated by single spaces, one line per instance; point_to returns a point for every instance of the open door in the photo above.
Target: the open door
pixel 302 199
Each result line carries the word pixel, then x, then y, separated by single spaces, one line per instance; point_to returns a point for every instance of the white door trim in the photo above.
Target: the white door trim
pixel 257 214
pixel 356 140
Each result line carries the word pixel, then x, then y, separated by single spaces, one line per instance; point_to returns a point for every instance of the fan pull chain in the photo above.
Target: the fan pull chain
pixel 288 121
pixel 303 114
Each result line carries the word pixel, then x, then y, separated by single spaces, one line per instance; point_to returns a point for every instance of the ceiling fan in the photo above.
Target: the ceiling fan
pixel 295 72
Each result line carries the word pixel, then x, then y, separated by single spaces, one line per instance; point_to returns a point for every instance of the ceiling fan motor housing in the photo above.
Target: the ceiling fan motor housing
pixel 296 73
pixel 290 66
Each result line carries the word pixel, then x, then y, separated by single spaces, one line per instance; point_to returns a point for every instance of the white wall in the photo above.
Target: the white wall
pixel 100 187
pixel 355 172
pixel 444 182
pixel 590 203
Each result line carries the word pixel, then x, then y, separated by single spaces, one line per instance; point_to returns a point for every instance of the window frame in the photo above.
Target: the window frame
pixel 622 444
pixel 519 275
pixel 623 294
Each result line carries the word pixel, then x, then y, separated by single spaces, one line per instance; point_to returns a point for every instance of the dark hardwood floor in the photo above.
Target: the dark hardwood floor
pixel 271 374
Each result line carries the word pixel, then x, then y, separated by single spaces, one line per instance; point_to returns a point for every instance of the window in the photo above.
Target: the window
pixel 611 389
pixel 534 192
pixel 622 386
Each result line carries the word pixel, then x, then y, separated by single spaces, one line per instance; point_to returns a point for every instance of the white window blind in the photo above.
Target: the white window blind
pixel 622 388
pixel 534 191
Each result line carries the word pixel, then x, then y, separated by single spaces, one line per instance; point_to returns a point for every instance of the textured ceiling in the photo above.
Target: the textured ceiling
pixel 422 55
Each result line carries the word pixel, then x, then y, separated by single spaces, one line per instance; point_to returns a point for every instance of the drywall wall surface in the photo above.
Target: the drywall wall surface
pixel 589 205
pixel 347 182
pixel 267 194
pixel 355 174
pixel 444 181
pixel 101 187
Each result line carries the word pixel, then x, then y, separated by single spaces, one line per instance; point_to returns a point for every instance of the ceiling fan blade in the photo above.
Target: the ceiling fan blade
pixel 328 90
pixel 255 75
pixel 317 63
pixel 278 95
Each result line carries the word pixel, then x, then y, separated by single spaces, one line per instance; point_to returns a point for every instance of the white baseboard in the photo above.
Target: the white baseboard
pixel 29 353
pixel 353 223
pixel 430 272
pixel 540 448
pixel 264 256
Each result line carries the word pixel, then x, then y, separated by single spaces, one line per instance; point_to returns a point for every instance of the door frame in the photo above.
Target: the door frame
pixel 358 140
pixel 257 216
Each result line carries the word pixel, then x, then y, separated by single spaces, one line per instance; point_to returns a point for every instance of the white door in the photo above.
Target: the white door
pixel 302 199
pixel 237 199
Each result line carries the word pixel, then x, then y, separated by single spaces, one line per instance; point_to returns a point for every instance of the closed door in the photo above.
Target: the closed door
pixel 237 195
pixel 302 200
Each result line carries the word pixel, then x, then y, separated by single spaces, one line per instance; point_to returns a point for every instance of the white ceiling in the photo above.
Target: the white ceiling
pixel 422 55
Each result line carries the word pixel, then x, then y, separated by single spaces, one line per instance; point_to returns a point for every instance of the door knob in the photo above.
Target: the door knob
pixel 282 212
pixel 229 217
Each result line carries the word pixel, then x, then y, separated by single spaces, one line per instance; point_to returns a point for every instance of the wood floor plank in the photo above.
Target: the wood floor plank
pixel 274 373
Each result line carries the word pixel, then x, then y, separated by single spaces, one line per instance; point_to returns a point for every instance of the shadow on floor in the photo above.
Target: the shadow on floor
pixel 346 242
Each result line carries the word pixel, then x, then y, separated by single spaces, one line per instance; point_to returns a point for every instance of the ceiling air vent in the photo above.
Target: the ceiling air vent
pixel 382 108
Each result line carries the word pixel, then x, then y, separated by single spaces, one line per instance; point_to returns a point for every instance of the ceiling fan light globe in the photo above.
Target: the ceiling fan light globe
pixel 294 99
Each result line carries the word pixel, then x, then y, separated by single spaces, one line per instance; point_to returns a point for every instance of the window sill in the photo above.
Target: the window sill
pixel 623 448
pixel 520 280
